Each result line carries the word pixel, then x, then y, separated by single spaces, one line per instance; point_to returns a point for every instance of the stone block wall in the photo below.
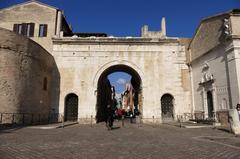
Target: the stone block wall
pixel 160 65
pixel 24 68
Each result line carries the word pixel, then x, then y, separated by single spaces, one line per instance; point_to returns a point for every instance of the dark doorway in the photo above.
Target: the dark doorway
pixel 71 107
pixel 104 94
pixel 210 104
pixel 167 107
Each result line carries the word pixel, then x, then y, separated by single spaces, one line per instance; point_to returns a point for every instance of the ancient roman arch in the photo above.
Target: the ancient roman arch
pixel 158 64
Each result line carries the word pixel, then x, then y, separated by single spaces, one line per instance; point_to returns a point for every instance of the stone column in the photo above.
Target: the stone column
pixel 59 22
pixel 163 26
pixel 205 104
pixel 215 102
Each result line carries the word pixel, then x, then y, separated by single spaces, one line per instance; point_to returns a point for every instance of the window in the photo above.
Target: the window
pixel 43 30
pixel 26 29
pixel 45 83
pixel 20 29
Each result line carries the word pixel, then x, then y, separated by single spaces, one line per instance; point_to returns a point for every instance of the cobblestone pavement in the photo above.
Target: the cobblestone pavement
pixel 131 141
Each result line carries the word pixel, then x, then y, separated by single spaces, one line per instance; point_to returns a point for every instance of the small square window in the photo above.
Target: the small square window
pixel 42 30
pixel 26 29
pixel 19 29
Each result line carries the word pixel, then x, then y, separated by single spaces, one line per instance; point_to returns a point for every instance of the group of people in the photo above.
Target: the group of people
pixel 112 113
pixel 117 113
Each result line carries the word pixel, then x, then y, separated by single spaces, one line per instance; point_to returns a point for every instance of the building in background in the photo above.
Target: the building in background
pixel 128 98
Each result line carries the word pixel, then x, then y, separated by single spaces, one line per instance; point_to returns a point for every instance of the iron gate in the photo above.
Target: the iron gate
pixel 167 106
pixel 71 108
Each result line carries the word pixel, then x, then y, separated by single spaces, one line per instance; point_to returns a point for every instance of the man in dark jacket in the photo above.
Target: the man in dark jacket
pixel 109 117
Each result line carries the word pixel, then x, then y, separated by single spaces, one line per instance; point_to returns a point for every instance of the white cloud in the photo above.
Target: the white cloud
pixel 121 81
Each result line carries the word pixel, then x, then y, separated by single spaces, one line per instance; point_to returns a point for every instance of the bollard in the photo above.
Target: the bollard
pixel 122 120
pixel 39 118
pixel 1 118
pixel 153 121
pixel 62 121
pixel 49 118
pixel 23 116
pixel 91 121
pixel 32 119
pixel 13 118
pixel 180 121
pixel 139 121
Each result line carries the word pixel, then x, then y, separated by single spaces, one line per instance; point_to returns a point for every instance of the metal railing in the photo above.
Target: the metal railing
pixel 29 118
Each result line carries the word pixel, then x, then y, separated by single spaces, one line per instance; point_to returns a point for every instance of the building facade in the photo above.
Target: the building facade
pixel 170 77
pixel 214 64
pixel 26 79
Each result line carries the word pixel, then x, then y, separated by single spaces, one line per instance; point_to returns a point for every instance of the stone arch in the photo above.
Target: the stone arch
pixel 113 63
pixel 103 85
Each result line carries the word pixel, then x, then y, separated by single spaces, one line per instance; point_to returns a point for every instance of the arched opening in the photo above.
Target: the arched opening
pixel 167 107
pixel 71 107
pixel 210 104
pixel 128 99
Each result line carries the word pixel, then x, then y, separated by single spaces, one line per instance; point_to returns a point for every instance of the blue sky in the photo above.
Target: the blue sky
pixel 126 17
pixel 119 79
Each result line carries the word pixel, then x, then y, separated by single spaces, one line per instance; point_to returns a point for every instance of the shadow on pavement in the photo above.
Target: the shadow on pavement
pixel 8 128
pixel 115 128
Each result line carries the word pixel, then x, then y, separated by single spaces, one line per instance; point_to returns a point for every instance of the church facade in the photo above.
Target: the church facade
pixel 172 77
pixel 214 65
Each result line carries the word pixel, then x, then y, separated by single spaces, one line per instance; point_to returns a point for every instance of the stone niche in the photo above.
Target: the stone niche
pixel 25 77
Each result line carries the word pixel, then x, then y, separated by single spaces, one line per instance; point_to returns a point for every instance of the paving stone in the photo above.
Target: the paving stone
pixel 131 141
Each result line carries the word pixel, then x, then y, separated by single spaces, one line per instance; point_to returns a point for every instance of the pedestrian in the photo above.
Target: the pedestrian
pixel 238 109
pixel 119 114
pixel 109 118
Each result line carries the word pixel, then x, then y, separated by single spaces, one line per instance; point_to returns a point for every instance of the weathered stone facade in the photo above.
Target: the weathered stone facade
pixel 26 75
pixel 158 62
pixel 214 65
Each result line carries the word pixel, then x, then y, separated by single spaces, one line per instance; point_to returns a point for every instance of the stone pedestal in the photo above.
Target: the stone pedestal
pixel 234 121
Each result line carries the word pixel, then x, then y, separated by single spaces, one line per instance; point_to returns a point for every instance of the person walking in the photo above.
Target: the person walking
pixel 109 120
pixel 238 110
